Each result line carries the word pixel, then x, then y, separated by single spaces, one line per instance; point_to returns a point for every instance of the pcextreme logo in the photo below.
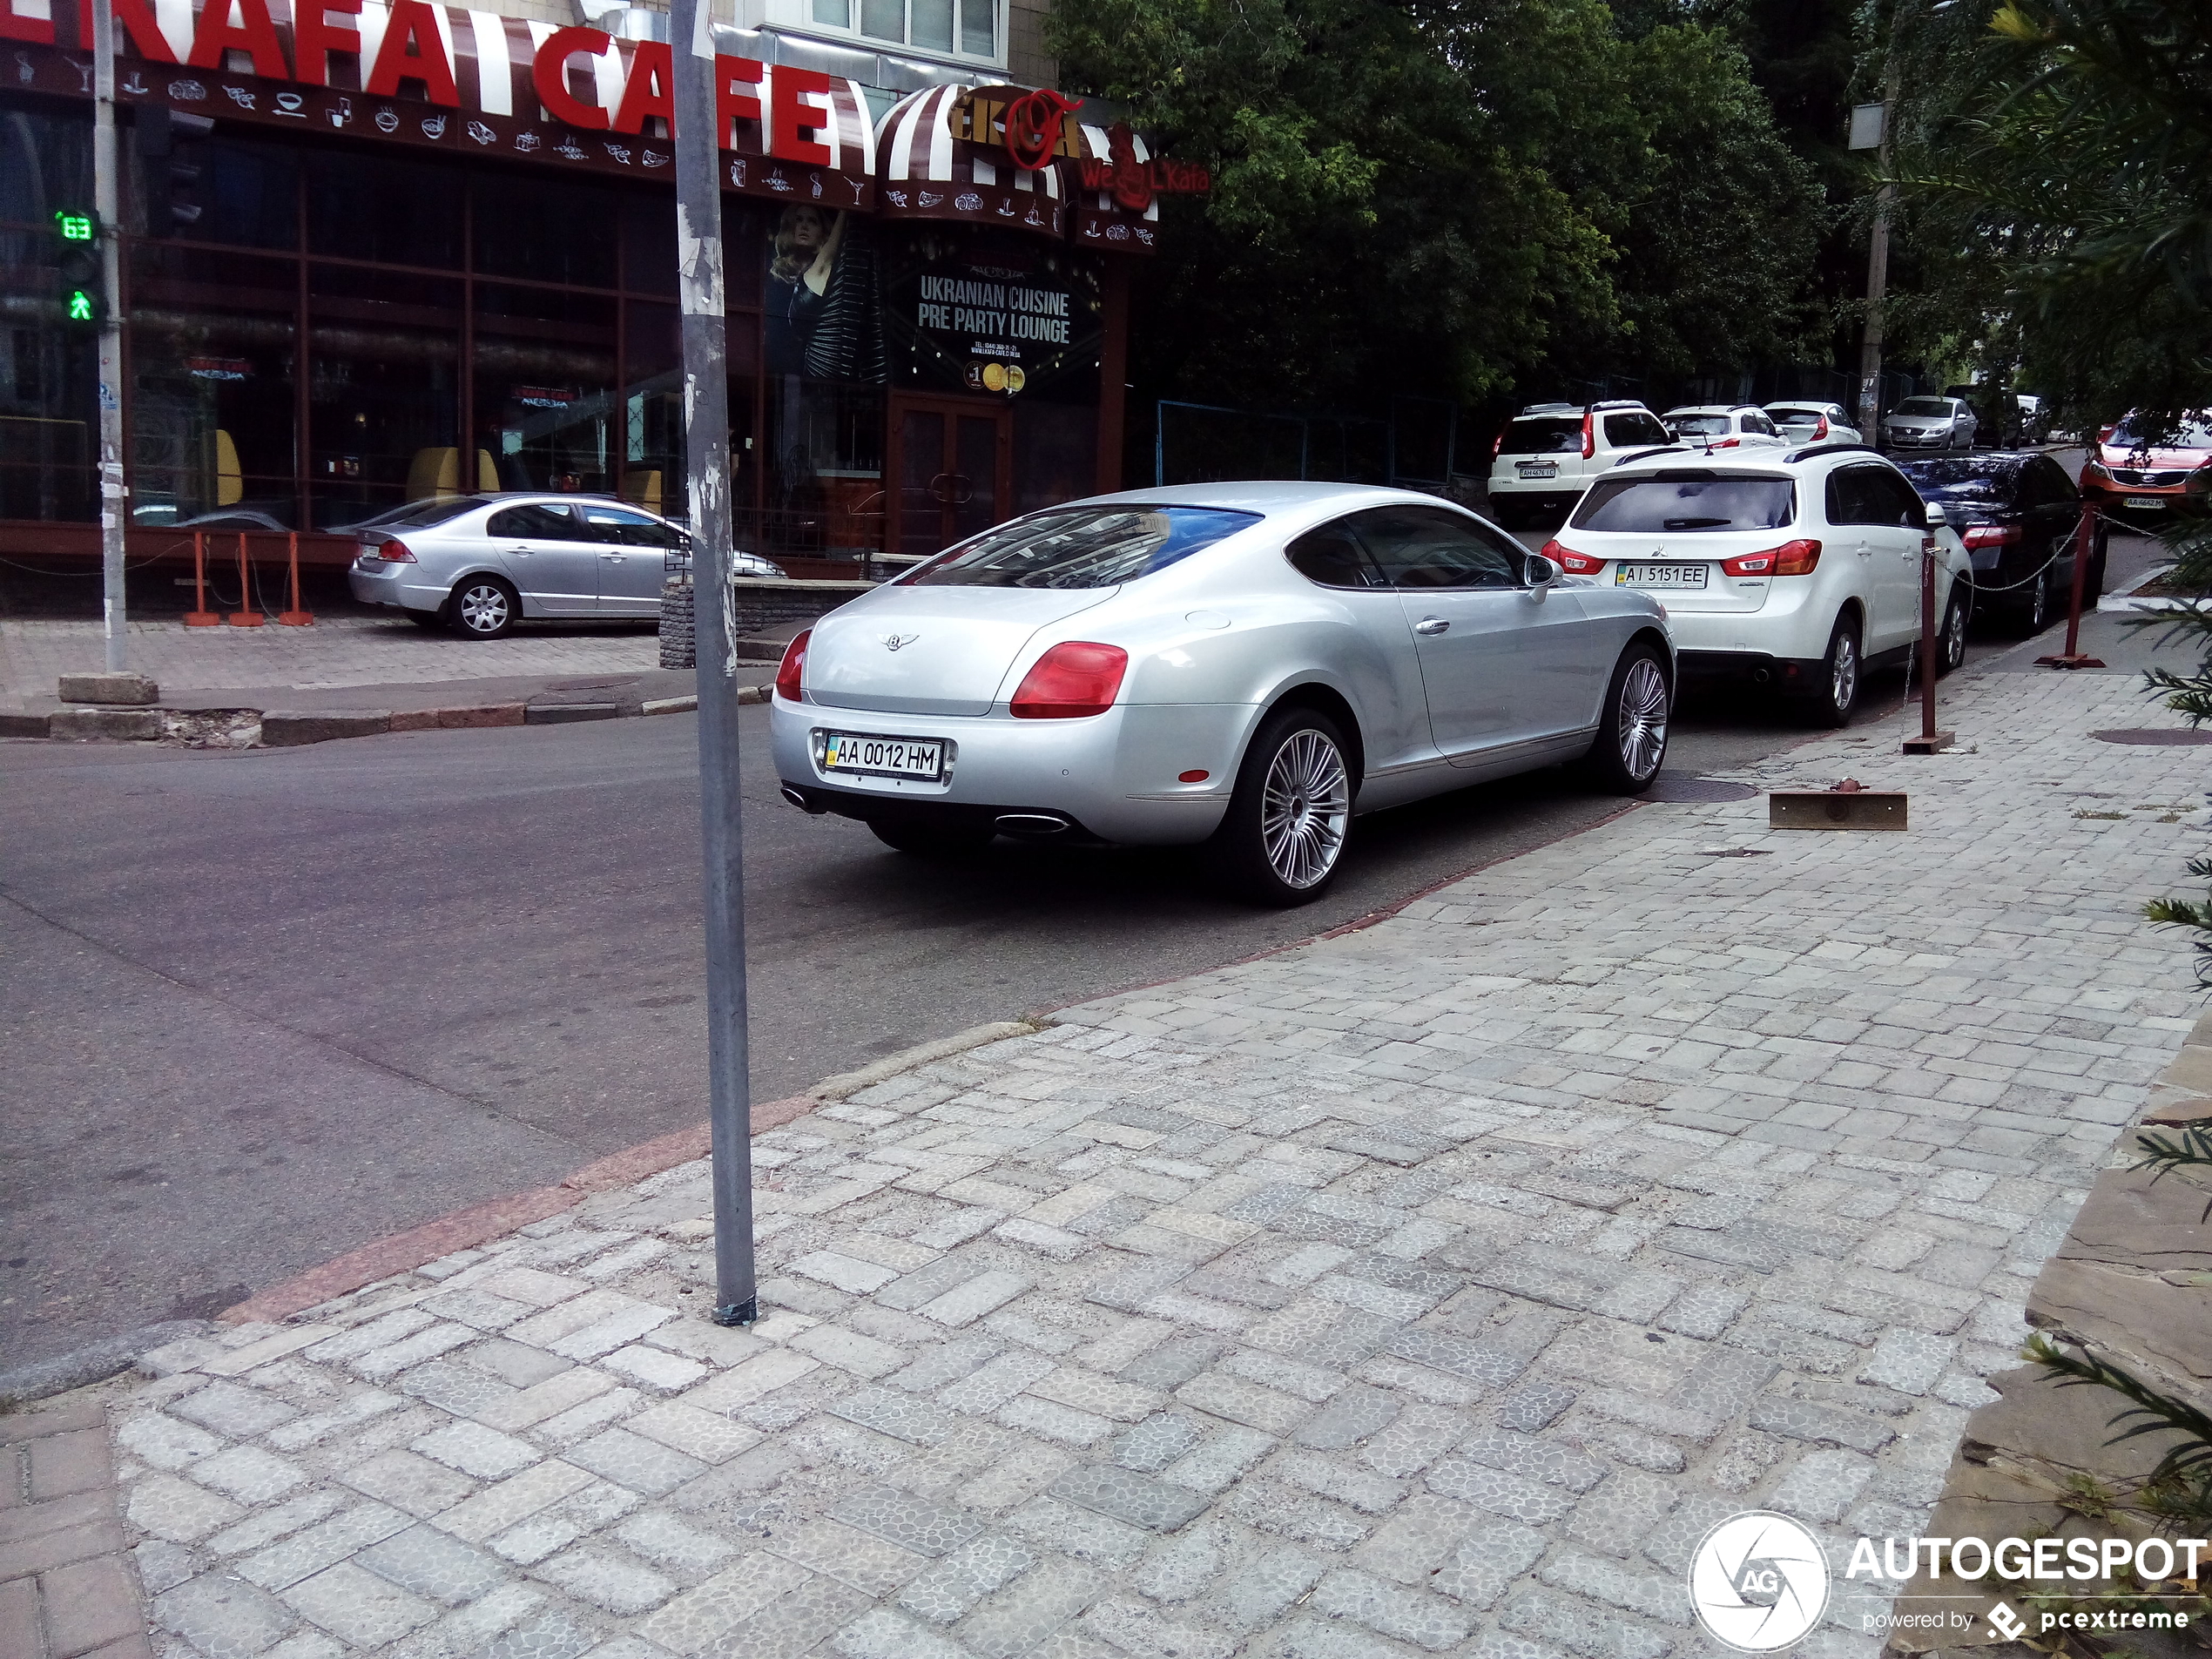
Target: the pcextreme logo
pixel 1758 1582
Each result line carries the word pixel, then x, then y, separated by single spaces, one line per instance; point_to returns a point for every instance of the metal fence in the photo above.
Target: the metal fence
pixel 1415 445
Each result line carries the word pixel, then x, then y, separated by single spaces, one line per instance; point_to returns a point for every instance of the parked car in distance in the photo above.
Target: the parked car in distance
pixel 483 563
pixel 1549 451
pixel 2017 514
pixel 1721 425
pixel 1930 423
pixel 1245 664
pixel 1796 569
pixel 1800 422
pixel 2139 472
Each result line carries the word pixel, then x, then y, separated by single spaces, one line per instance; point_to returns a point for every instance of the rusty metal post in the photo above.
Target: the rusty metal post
pixel 2084 541
pixel 1930 741
pixel 706 460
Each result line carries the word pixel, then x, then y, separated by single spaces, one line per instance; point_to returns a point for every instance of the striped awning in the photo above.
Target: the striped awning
pixel 1102 222
pixel 923 170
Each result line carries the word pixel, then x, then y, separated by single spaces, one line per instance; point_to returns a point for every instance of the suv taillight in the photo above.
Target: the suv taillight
pixel 1498 444
pixel 1571 562
pixel 1750 564
pixel 1797 558
pixel 791 673
pixel 1074 678
pixel 1991 534
pixel 395 553
pixel 1589 434
pixel 1820 431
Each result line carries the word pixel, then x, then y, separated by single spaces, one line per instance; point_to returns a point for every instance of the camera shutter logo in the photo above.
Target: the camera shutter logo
pixel 1758 1582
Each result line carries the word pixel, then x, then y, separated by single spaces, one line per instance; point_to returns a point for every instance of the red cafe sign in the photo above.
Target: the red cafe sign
pixel 1135 183
pixel 415 71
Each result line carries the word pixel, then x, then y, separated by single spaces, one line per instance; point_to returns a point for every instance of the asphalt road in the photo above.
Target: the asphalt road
pixel 261 1008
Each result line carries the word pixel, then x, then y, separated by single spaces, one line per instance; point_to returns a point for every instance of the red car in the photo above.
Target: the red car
pixel 2142 483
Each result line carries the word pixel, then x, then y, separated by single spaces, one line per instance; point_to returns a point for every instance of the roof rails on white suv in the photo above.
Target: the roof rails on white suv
pixel 1547 454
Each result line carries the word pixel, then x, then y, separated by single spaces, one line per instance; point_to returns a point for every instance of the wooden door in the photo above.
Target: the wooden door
pixel 951 466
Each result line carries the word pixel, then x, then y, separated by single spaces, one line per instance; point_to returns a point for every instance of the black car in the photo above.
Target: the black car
pixel 2018 513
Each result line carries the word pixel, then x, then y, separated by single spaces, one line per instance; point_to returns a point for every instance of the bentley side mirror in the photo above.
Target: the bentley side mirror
pixel 1936 519
pixel 1542 575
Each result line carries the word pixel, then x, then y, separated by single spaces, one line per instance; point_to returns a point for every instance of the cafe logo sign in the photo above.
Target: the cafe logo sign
pixel 1134 183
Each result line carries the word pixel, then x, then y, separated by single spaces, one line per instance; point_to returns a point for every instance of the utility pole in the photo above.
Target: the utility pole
pixel 107 208
pixel 1877 273
pixel 706 464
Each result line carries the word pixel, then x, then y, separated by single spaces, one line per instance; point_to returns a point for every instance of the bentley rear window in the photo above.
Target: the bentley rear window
pixel 1688 500
pixel 1086 547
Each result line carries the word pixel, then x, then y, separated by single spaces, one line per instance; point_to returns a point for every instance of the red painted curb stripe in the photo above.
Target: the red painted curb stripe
pixel 480 1223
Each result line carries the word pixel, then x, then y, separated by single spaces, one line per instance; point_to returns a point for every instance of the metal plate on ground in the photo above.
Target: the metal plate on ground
pixel 2154 736
pixel 1667 787
pixel 1867 809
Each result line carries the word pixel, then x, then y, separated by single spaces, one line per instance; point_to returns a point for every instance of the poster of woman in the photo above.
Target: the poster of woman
pixel 824 308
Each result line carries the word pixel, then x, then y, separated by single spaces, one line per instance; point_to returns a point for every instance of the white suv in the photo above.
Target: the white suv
pixel 1549 451
pixel 1794 569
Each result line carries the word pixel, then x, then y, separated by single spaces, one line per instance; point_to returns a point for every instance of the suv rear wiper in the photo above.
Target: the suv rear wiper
pixel 1695 523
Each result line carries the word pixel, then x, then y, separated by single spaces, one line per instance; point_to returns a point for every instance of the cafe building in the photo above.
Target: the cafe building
pixel 374 251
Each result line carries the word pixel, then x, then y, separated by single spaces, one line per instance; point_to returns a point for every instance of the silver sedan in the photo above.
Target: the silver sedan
pixel 482 563
pixel 1247 664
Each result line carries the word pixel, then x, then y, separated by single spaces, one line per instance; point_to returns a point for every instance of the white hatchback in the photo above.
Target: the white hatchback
pixel 1549 451
pixel 1794 568
pixel 1722 426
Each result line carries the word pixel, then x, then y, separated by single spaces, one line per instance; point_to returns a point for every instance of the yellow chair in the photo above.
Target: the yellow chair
pixel 437 472
pixel 642 490
pixel 230 479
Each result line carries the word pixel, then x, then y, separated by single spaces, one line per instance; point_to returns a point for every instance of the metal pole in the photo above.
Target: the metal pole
pixel 1927 639
pixel 1878 282
pixel 107 208
pixel 2085 541
pixel 706 407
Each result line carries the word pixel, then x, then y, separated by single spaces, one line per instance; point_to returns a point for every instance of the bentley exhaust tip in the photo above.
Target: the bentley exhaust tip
pixel 1029 823
pixel 802 803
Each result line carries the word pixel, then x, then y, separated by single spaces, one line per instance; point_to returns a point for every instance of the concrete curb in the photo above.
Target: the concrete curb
pixel 403 1252
pixel 848 1084
pixel 289 728
pixel 94 1362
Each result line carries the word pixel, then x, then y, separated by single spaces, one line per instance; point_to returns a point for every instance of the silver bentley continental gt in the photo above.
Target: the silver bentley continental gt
pixel 1244 664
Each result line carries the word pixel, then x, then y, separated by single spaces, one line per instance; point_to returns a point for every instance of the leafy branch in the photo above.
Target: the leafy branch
pixel 2165 1155
pixel 2189 1460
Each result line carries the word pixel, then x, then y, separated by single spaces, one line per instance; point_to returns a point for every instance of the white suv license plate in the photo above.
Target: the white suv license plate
pixel 1550 470
pixel 1659 576
pixel 884 756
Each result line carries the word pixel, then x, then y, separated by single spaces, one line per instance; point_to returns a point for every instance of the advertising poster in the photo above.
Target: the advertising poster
pixel 998 315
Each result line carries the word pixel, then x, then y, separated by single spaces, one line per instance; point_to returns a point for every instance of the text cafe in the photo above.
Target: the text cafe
pixel 374 251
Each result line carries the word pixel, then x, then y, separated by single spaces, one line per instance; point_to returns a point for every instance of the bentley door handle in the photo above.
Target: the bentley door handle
pixel 1431 625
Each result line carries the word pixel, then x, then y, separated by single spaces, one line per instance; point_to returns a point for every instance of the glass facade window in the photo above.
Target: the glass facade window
pixel 319 331
pixel 823 488
pixel 545 230
pixel 213 346
pixel 545 402
pixel 48 425
pixel 383 391
pixel 966 27
pixel 377 208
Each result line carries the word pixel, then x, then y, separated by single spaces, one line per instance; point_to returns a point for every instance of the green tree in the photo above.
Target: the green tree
pixel 1436 195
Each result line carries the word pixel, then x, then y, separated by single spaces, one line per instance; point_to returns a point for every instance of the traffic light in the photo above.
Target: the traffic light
pixel 171 165
pixel 83 294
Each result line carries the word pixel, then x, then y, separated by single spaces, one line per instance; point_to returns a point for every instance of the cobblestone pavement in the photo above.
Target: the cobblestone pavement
pixel 337 651
pixel 1429 1289
pixel 66 1586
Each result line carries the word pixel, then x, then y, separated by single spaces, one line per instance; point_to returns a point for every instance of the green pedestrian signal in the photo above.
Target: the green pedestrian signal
pixel 82 292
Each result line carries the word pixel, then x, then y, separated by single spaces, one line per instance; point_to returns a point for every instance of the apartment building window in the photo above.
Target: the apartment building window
pixel 950 28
